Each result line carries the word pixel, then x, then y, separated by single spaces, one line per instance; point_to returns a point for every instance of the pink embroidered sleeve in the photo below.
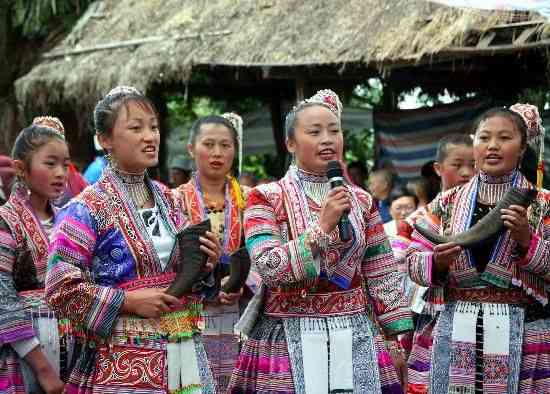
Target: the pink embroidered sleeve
pixel 537 258
pixel 15 324
pixel 277 260
pixel 419 254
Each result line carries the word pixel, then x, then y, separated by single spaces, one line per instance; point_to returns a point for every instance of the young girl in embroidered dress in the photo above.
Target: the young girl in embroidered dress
pixel 312 333
pixel 491 327
pixel 214 193
pixel 31 358
pixel 113 253
pixel 455 166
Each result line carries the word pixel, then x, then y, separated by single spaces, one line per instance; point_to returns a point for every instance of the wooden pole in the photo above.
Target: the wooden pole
pixel 131 43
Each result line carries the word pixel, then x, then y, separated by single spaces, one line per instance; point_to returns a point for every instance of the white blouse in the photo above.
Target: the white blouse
pixel 161 237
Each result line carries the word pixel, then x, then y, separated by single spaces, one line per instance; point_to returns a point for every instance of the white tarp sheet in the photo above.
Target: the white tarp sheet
pixel 540 6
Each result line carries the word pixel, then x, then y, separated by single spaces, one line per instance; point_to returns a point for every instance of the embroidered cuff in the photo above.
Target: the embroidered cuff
pixel 421 271
pixel 397 321
pixel 525 261
pixel 102 318
pixel 317 238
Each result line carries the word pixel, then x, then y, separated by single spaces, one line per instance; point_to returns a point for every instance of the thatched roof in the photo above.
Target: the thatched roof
pixel 247 33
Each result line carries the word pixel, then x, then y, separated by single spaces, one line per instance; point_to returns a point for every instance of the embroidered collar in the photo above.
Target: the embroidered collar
pixel 308 176
pixel 28 230
pixel 128 177
pixel 491 189
pixel 489 179
pixel 197 212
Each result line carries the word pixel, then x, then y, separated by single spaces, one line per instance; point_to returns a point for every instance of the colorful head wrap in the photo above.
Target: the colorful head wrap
pixel 535 133
pixel 326 98
pixel 50 122
pixel 237 123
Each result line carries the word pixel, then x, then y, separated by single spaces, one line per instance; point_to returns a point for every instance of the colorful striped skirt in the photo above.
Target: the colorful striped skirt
pixel 434 358
pixel 275 358
pixel 220 343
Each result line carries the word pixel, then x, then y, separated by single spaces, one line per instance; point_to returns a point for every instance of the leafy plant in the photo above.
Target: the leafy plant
pixel 359 146
pixel 35 17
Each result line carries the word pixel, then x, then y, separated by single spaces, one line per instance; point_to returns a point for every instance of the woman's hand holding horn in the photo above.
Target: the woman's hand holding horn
pixel 443 256
pixel 515 220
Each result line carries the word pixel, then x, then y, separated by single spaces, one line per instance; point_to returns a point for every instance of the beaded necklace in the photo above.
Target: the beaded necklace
pixel 135 186
pixel 315 186
pixel 224 259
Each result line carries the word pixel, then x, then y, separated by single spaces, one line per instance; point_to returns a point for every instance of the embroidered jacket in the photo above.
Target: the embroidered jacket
pixel 100 242
pixel 449 214
pixel 232 240
pixel 276 228
pixel 23 260
pixel 195 210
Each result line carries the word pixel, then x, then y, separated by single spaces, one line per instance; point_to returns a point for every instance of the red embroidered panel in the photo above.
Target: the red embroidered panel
pixel 128 366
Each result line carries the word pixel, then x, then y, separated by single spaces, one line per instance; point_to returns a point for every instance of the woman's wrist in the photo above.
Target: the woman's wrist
pixel 317 239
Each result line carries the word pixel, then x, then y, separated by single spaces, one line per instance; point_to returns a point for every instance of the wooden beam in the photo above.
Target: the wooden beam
pixel 132 43
pixel 496 49
pixel 485 41
pixel 300 89
pixel 525 35
pixel 519 24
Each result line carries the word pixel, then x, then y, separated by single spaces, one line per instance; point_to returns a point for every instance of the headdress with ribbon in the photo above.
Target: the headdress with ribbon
pixel 535 133
pixel 50 122
pixel 237 123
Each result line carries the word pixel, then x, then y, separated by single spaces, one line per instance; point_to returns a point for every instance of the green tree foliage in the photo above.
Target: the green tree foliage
pixel 34 18
pixel 359 146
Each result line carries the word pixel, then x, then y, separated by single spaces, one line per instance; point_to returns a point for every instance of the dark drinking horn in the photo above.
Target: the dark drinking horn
pixel 239 266
pixel 193 260
pixel 490 225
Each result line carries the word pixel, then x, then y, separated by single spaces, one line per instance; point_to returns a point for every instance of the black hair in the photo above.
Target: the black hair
pixel 430 187
pixel 30 139
pixel 106 110
pixel 253 177
pixel 528 165
pixel 400 191
pixel 446 142
pixel 217 120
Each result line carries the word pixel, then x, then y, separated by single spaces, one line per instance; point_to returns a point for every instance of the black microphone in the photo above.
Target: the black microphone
pixel 336 178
